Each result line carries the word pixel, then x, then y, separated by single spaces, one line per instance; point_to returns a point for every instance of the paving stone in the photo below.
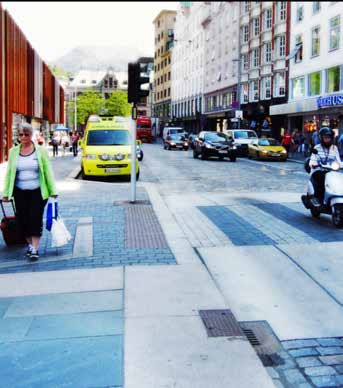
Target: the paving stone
pixel 330 350
pixel 331 360
pixel 272 373
pixel 14 329
pixel 294 376
pixel 288 364
pixel 324 381
pixel 305 362
pixel 303 352
pixel 330 342
pixel 295 344
pixel 339 369
pixel 320 371
pixel 62 363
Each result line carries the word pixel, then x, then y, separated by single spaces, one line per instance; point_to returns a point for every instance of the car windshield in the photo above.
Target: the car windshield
pixel 215 137
pixel 176 130
pixel 143 126
pixel 244 134
pixel 268 142
pixel 176 137
pixel 117 137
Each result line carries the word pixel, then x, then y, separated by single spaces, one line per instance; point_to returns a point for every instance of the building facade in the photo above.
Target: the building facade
pixel 188 66
pixel 29 91
pixel 164 39
pixel 221 26
pixel 316 68
pixel 264 46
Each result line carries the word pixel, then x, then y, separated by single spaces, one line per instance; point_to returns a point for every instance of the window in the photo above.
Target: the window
pixel 268 52
pixel 245 33
pixel 282 45
pixel 169 60
pixel 300 13
pixel 279 84
pixel 244 60
pixel 282 11
pixel 266 88
pixel 316 6
pixel 246 6
pixel 162 35
pixel 254 58
pixel 299 55
pixel 267 19
pixel 333 79
pixel 256 26
pixel 244 94
pixel 169 76
pixel 315 41
pixel 83 81
pixel 298 87
pixel 158 81
pixel 314 83
pixel 253 95
pixel 94 81
pixel 168 92
pixel 335 30
pixel 165 77
pixel 165 92
pixel 165 62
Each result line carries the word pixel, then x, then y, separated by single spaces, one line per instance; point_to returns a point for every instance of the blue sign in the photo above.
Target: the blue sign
pixel 336 99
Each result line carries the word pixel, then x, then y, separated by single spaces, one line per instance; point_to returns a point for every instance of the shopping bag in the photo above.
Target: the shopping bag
pixel 51 212
pixel 59 233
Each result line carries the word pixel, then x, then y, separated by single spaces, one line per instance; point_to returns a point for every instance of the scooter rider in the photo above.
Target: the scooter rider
pixel 327 153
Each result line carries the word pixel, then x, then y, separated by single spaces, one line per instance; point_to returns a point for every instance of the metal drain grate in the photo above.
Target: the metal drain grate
pixel 264 341
pixel 220 323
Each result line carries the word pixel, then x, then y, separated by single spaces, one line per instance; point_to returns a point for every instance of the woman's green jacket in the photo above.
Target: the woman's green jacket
pixel 46 176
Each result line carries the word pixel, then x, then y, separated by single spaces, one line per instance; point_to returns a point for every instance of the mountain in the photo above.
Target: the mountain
pixel 98 58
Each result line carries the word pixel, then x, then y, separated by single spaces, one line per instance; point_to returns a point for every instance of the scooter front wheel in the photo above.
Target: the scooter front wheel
pixel 337 215
pixel 315 213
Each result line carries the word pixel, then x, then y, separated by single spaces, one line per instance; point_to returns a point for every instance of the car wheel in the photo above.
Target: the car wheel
pixel 258 156
pixel 203 156
pixel 137 175
pixel 249 156
pixel 221 157
pixel 315 213
pixel 83 175
pixel 195 155
pixel 233 158
pixel 164 146
pixel 186 148
pixel 169 148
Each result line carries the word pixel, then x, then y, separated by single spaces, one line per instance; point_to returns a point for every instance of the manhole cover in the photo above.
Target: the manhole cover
pixel 220 323
pixel 264 341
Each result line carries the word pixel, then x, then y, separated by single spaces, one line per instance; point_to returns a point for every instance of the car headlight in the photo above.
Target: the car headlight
pixel 89 156
pixel 335 166
pixel 172 143
pixel 208 146
pixel 284 152
pixel 104 157
pixel 186 144
pixel 265 152
pixel 234 147
pixel 120 157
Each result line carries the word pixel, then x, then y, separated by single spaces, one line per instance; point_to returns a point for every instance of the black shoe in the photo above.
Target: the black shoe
pixel 28 252
pixel 315 202
pixel 34 256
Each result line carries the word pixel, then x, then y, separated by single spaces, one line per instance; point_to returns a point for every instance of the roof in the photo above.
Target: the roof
pixel 88 79
pixel 164 11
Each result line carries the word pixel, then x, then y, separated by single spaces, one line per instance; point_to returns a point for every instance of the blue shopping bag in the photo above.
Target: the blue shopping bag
pixel 51 213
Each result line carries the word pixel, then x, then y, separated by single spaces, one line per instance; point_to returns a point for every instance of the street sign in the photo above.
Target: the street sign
pixel 239 114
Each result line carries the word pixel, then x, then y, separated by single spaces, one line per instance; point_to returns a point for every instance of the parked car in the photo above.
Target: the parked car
pixel 216 144
pixel 267 148
pixel 191 139
pixel 167 131
pixel 177 142
pixel 242 138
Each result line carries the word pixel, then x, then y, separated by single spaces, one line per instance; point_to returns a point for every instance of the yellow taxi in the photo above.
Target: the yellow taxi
pixel 106 147
pixel 267 148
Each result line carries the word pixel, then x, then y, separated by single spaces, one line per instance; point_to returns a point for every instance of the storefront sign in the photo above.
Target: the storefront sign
pixel 336 99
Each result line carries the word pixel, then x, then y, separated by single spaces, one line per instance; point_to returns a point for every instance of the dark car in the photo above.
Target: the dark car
pixel 191 139
pixel 177 142
pixel 214 144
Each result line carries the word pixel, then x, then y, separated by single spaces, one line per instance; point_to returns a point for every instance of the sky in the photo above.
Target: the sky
pixel 54 28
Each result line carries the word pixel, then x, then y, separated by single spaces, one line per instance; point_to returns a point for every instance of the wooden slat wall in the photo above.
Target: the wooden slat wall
pixel 29 86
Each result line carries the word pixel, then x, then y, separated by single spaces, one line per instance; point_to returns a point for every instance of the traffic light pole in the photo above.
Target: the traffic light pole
pixel 133 152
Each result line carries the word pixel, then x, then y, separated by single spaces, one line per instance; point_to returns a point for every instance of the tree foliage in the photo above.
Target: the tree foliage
pixel 117 104
pixel 89 102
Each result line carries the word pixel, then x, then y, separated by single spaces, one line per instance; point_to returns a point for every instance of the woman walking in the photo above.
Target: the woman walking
pixel 29 179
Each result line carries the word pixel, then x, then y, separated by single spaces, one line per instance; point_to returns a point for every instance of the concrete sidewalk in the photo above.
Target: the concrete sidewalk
pixel 126 292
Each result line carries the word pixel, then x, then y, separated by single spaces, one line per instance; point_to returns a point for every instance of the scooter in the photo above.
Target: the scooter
pixel 333 197
pixel 139 153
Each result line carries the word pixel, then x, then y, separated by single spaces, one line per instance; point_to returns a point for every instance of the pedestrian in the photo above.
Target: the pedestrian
pixel 30 180
pixel 315 138
pixel 74 141
pixel 54 142
pixel 287 141
pixel 340 145
pixel 65 142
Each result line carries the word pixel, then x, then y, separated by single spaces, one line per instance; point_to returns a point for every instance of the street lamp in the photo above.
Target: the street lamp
pixel 75 111
pixel 238 88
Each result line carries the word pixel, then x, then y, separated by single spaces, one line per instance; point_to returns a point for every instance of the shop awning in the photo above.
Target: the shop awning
pixel 61 127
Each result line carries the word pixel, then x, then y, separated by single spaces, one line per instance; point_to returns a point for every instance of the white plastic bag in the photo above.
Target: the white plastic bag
pixel 59 233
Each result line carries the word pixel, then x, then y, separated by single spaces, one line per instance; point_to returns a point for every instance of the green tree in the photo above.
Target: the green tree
pixel 117 104
pixel 89 102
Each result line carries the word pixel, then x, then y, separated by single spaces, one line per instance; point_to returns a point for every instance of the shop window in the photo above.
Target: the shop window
pixel 253 93
pixel 298 87
pixel 333 79
pixel 335 30
pixel 315 41
pixel 279 85
pixel 314 83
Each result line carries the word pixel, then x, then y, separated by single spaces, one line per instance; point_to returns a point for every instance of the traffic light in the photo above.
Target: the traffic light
pixel 136 79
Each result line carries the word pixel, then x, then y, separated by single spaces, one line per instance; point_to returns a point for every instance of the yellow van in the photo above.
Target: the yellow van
pixel 106 147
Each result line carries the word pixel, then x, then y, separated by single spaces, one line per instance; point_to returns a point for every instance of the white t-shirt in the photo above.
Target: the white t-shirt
pixel 27 177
